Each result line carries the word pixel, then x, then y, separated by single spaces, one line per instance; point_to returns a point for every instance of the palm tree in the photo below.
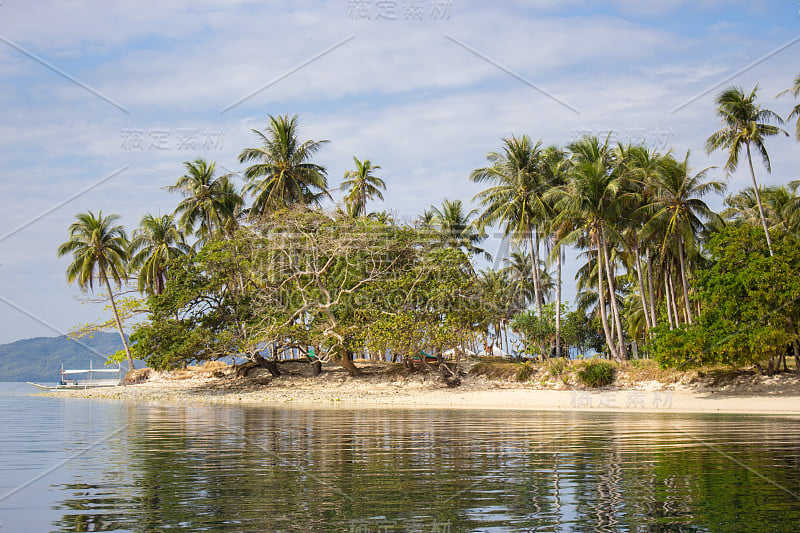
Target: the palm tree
pixel 746 124
pixel 518 269
pixel 607 202
pixel 456 226
pixel 514 199
pixel 639 165
pixel 781 208
pixel 556 170
pixel 282 174
pixel 99 250
pixel 794 91
pixel 586 202
pixel 678 212
pixel 363 185
pixel 154 244
pixel 210 204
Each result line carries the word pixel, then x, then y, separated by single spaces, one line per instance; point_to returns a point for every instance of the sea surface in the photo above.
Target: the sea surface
pixel 81 465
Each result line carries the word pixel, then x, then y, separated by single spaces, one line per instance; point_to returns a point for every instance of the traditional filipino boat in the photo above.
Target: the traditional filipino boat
pixel 69 379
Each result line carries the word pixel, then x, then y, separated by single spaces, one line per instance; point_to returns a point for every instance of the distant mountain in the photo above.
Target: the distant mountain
pixel 40 358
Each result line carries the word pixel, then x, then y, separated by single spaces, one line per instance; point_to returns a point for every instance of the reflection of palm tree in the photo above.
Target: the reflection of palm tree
pixel 282 173
pixel 677 210
pixel 456 226
pixel 209 202
pixel 154 243
pixel 514 198
pixel 363 185
pixel 745 124
pixel 100 251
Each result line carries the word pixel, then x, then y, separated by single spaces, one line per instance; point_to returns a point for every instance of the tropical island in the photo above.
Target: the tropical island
pixel 264 277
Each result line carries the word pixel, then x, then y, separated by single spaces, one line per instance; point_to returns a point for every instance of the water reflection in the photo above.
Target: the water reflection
pixel 225 469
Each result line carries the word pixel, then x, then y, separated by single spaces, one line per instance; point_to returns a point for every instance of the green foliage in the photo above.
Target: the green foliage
pixel 596 373
pixel 750 301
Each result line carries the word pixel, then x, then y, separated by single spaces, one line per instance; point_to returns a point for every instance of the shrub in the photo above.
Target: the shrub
pixel 524 372
pixel 597 373
pixel 557 367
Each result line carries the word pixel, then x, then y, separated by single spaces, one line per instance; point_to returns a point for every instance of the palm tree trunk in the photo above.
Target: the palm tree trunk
pixel 673 298
pixel 666 298
pixel 535 272
pixel 558 301
pixel 651 286
pixel 613 297
pixel 641 285
pixel 601 300
pixel 683 281
pixel 758 201
pixel 119 323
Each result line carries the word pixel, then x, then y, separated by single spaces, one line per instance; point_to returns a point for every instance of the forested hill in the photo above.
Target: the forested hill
pixel 40 358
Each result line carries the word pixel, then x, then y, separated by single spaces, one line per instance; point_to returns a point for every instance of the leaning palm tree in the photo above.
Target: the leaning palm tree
pixel 99 250
pixel 746 124
pixel 362 185
pixel 514 198
pixel 678 213
pixel 209 201
pixel 794 91
pixel 154 244
pixel 282 173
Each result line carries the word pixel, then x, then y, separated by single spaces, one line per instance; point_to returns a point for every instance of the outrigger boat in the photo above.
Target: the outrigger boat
pixel 72 383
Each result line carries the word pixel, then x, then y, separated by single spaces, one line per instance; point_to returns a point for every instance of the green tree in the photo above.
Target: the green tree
pixel 745 124
pixel 155 242
pixel 794 91
pixel 455 225
pixel 99 251
pixel 514 198
pixel 751 301
pixel 209 202
pixel 588 201
pixel 362 185
pixel 677 211
pixel 282 173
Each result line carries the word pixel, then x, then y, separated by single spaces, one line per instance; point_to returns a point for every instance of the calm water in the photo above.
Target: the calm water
pixel 168 468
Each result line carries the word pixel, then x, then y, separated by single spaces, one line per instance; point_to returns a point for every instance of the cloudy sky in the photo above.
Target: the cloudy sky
pixel 102 102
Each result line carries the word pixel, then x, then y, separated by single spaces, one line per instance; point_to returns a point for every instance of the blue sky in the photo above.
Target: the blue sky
pixel 415 86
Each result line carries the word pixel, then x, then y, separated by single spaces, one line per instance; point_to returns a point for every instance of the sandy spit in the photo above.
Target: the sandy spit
pixel 348 393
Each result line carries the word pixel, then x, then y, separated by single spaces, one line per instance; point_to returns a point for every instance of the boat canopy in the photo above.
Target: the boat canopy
pixel 92 370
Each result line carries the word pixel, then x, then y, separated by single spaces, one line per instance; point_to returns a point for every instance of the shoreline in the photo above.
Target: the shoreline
pixel 350 394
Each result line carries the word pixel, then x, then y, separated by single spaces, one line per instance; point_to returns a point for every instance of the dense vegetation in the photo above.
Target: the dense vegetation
pixel 661 274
